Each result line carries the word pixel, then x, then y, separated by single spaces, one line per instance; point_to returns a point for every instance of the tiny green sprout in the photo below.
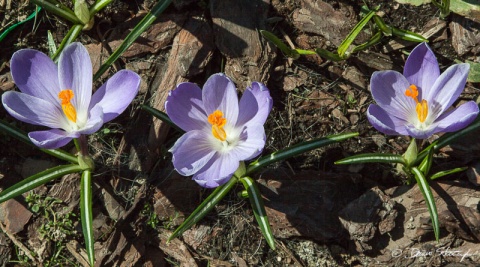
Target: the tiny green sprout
pixel 410 155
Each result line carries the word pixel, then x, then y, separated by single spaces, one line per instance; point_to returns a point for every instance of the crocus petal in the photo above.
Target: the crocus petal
pixel 458 118
pixel 94 122
pixel 51 139
pixel 251 143
pixel 385 123
pixel 448 87
pixel 191 152
pixel 220 93
pixel 35 74
pixel 185 108
pixel 34 110
pixel 421 68
pixel 116 94
pixel 388 90
pixel 217 171
pixel 255 105
pixel 75 73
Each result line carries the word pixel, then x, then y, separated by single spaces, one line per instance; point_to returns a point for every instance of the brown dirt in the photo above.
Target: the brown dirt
pixel 321 214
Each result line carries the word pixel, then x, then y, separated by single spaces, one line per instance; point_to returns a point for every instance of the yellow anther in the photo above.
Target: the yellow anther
pixel 217 121
pixel 422 110
pixel 68 109
pixel 422 107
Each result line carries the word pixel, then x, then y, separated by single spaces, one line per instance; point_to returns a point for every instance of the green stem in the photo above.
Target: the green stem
pixel 59 11
pixel 133 35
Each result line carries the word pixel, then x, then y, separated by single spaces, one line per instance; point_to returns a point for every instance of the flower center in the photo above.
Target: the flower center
pixel 422 107
pixel 217 121
pixel 67 107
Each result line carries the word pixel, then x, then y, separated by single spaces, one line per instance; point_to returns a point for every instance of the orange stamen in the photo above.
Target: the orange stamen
pixel 422 107
pixel 217 121
pixel 68 109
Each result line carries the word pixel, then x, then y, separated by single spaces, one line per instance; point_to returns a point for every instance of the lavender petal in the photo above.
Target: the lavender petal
pixel 220 93
pixel 116 94
pixel 35 74
pixel 421 68
pixel 185 108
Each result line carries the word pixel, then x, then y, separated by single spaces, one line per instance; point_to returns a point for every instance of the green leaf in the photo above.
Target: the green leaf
pixel 408 35
pixel 52 47
pixel 86 214
pixel 133 35
pixel 18 134
pixel 387 30
pixel 305 52
pixel 278 43
pixel 99 5
pixel 373 40
pixel 426 163
pixel 466 8
pixel 81 11
pixel 429 200
pixel 205 207
pixel 161 116
pixel 296 150
pixel 37 180
pixel 474 74
pixel 71 35
pixel 14 26
pixel 342 49
pixel 259 210
pixel 448 138
pixel 372 157
pixel 59 10
pixel 448 172
pixel 329 55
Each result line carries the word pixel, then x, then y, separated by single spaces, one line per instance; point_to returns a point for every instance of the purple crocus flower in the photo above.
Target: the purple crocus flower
pixel 60 97
pixel 419 102
pixel 220 130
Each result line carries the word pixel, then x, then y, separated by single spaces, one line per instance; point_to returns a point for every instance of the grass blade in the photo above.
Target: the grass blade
pixel 18 134
pixel 59 11
pixel 429 200
pixel 448 138
pixel 11 28
pixel 372 157
pixel 282 46
pixel 296 150
pixel 342 49
pixel 36 180
pixel 86 214
pixel 448 172
pixel 259 210
pixel 133 35
pixel 205 207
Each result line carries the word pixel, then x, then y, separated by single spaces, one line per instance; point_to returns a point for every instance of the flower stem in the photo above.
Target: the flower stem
pixel 82 145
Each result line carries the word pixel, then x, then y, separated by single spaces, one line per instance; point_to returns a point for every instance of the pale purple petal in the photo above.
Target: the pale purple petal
pixel 448 87
pixel 75 73
pixel 35 74
pixel 251 143
pixel 217 171
pixel 420 133
pixel 33 110
pixel 255 105
pixel 94 122
pixel 457 118
pixel 51 139
pixel 185 108
pixel 220 93
pixel 116 94
pixel 384 122
pixel 421 69
pixel 388 90
pixel 191 152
